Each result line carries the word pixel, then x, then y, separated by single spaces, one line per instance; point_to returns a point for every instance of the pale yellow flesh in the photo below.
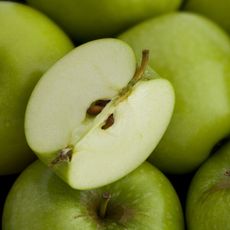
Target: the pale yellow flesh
pixel 104 156
pixel 59 102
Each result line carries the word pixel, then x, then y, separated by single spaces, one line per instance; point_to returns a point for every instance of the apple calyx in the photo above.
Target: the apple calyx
pixel 64 155
pixel 106 197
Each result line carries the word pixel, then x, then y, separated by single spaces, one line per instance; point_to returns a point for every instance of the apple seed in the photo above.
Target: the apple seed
pixel 96 107
pixel 109 122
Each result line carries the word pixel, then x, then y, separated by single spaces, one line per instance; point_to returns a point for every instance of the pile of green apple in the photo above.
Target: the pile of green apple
pixel 106 105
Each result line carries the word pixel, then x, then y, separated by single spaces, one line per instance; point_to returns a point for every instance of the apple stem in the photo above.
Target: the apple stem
pixel 106 196
pixel 64 155
pixel 141 69
pixel 137 76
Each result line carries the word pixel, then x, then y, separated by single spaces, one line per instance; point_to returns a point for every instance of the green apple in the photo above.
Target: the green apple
pixel 208 202
pixel 90 19
pixel 194 55
pixel 94 117
pixel 29 44
pixel 217 10
pixel 144 200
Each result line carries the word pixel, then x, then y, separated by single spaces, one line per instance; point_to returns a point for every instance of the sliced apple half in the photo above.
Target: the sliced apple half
pixel 95 116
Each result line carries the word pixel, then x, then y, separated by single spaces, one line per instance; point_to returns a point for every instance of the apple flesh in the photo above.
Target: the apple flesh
pixel 90 151
pixel 208 203
pixel 217 10
pixel 87 20
pixel 29 44
pixel 194 55
pixel 144 199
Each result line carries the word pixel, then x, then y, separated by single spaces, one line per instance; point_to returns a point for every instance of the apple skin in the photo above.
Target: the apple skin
pixel 217 10
pixel 87 20
pixel 142 200
pixel 208 202
pixel 29 44
pixel 194 55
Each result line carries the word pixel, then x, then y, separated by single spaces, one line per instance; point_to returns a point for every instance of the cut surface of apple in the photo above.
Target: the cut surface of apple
pixel 90 148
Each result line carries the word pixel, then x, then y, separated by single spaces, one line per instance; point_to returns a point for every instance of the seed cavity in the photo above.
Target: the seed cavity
pixel 109 122
pixel 96 107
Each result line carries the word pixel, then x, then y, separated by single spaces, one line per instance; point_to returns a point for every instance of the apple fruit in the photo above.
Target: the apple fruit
pixel 217 10
pixel 29 44
pixel 194 55
pixel 94 117
pixel 144 199
pixel 87 20
pixel 208 201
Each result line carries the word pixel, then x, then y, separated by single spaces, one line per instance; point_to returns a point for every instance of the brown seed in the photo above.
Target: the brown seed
pixel 96 107
pixel 102 102
pixel 109 122
pixel 94 110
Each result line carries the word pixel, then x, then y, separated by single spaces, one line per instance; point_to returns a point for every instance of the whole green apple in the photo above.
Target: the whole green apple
pixel 217 10
pixel 194 55
pixel 208 201
pixel 29 44
pixel 90 19
pixel 144 200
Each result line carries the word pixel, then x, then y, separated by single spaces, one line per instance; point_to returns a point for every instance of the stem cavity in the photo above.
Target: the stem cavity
pixel 227 173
